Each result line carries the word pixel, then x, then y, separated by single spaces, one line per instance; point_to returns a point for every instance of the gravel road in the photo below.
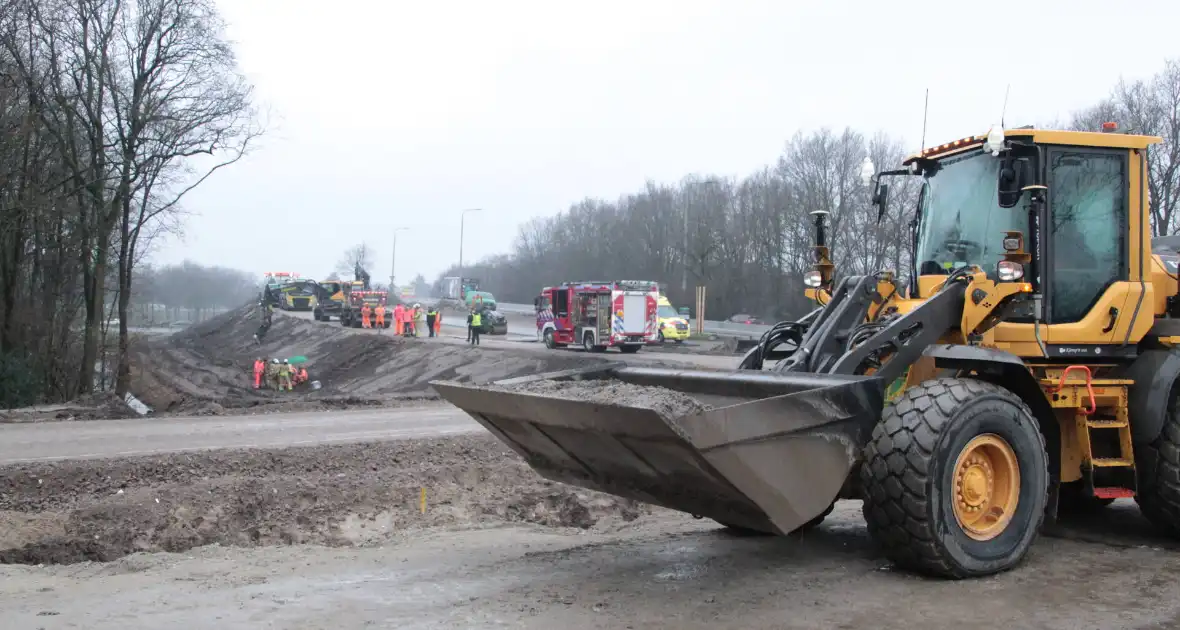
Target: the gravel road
pixel 49 441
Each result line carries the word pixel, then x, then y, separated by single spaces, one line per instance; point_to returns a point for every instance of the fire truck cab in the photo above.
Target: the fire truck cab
pixel 598 315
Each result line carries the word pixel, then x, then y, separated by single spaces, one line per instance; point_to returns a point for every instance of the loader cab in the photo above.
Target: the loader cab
pixel 1074 197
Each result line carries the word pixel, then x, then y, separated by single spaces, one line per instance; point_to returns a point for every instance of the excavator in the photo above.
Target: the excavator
pixel 1026 368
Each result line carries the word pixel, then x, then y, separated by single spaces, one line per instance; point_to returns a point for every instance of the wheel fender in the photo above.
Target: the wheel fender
pixel 1010 372
pixel 1154 373
pixel 997 364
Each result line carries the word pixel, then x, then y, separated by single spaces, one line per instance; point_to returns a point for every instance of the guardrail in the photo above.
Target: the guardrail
pixel 722 328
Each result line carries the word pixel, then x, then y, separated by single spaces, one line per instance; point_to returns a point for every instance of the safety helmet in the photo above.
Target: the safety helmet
pixel 285 361
pixel 275 361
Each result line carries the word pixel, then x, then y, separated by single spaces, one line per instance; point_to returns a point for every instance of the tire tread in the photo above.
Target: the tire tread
pixel 895 475
pixel 1158 467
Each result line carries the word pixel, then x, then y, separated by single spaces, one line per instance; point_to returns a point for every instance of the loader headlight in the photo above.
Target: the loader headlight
pixel 1009 271
pixel 812 279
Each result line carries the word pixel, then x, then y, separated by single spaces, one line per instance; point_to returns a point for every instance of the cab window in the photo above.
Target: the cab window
pixel 1087 204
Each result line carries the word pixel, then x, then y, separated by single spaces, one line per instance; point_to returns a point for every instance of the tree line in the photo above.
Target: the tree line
pixel 749 239
pixel 110 112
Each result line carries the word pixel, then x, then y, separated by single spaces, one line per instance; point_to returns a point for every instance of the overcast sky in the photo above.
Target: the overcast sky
pixel 395 113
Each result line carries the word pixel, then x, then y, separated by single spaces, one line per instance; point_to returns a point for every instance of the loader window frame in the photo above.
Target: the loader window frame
pixel 1063 237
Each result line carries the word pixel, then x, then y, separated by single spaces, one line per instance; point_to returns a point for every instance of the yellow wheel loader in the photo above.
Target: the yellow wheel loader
pixel 1025 367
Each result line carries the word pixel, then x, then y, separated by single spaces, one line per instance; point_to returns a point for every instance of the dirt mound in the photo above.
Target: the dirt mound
pixel 667 402
pixel 72 511
pixel 208 368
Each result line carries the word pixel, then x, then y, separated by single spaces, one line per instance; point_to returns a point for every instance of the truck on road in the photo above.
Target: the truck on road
pixel 350 313
pixel 463 294
pixel 599 314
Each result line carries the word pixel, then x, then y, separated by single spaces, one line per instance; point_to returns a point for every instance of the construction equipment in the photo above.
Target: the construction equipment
pixel 350 313
pixel 273 281
pixel 1026 367
pixel 299 294
pixel 329 300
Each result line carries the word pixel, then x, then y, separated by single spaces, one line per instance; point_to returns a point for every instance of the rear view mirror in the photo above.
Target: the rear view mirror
pixel 1010 181
pixel 881 200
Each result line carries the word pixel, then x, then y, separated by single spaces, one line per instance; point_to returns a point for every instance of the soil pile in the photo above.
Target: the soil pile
pixel 668 402
pixel 71 511
pixel 208 368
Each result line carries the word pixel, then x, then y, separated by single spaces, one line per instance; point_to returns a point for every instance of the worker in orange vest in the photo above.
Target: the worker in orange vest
pixel 365 312
pixel 380 312
pixel 259 368
pixel 397 318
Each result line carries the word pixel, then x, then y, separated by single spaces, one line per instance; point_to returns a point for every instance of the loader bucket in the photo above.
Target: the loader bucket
pixel 772 452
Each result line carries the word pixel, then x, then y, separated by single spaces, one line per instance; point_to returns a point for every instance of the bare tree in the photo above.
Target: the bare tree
pixel 127 92
pixel 110 111
pixel 177 95
pixel 357 256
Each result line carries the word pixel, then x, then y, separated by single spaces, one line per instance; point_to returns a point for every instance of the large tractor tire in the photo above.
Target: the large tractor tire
pixel 955 479
pixel 1158 468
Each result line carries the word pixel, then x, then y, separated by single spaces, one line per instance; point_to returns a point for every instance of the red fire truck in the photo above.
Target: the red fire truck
pixel 598 315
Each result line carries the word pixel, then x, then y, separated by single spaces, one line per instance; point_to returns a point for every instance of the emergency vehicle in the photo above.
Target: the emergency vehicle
pixel 599 315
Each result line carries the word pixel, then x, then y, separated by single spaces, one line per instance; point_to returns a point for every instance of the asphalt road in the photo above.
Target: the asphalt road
pixel 44 441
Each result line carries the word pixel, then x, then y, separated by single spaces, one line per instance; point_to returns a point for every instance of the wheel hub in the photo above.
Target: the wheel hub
pixel 987 486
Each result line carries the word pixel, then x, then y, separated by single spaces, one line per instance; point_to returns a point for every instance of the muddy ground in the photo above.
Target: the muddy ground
pixel 370 493
pixel 496 560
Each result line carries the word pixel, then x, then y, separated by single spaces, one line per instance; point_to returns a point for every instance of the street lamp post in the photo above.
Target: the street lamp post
pixel 462 217
pixel 393 261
